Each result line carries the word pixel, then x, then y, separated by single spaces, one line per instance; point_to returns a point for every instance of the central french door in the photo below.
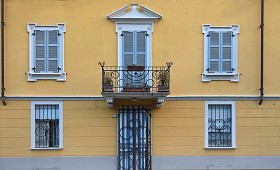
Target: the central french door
pixel 134 138
pixel 134 53
pixel 134 48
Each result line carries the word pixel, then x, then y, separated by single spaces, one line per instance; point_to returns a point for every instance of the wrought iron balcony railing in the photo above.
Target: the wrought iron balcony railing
pixel 145 79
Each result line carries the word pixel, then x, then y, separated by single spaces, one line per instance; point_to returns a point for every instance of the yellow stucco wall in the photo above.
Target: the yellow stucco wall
pixel 90 38
pixel 177 130
pixel 88 128
pixel 177 127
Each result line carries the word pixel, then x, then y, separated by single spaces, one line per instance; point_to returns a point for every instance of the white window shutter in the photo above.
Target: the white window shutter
pixel 227 52
pixel 127 48
pixel 40 51
pixel 53 51
pixel 214 52
pixel 140 47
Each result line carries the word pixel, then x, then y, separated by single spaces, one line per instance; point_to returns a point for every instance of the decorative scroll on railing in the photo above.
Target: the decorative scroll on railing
pixel 135 78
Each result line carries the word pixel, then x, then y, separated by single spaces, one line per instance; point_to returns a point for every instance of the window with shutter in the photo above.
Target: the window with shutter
pixel 134 53
pixel 220 53
pixel 134 48
pixel 46 58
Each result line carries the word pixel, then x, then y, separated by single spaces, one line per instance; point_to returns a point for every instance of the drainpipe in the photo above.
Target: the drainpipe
pixel 262 32
pixel 2 54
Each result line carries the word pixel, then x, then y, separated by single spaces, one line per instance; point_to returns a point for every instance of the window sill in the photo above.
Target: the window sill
pixel 220 148
pixel 51 148
pixel 233 77
pixel 46 76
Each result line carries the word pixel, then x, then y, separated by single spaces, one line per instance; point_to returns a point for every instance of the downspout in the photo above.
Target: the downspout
pixel 2 54
pixel 262 32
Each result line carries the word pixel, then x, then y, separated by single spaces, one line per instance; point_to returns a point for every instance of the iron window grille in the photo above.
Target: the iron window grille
pixel 220 125
pixel 47 126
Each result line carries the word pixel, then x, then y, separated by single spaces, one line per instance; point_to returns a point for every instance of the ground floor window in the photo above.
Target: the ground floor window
pixel 46 125
pixel 220 124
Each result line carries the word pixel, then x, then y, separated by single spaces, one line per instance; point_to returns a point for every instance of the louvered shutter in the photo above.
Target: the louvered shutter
pixel 226 52
pixel 214 52
pixel 40 51
pixel 53 51
pixel 140 48
pixel 128 48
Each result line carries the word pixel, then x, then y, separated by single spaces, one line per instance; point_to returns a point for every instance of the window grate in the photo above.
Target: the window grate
pixel 46 126
pixel 219 126
pixel 134 138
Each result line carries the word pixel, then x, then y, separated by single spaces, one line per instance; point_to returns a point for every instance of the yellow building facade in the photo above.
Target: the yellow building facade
pixel 195 103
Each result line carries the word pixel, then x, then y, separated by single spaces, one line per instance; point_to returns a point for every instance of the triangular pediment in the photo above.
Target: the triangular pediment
pixel 125 14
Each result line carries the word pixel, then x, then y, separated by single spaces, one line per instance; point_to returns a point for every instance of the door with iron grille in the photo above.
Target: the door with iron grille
pixel 134 138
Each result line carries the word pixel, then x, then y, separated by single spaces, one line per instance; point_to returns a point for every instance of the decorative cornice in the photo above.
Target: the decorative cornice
pixel 122 14
pixel 168 98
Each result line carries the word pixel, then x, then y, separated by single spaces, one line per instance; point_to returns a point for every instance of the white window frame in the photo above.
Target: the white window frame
pixel 33 126
pixel 34 76
pixel 232 76
pixel 233 123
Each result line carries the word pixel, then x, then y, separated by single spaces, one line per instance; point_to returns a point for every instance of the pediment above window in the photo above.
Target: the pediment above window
pixel 134 14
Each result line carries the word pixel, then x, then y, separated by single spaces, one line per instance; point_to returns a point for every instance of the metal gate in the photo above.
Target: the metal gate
pixel 134 138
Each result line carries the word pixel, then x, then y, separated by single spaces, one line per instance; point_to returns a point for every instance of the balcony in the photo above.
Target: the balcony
pixel 149 84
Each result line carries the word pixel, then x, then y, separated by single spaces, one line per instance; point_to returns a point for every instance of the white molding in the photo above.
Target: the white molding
pixel 134 17
pixel 234 76
pixel 233 123
pixel 61 75
pixel 123 16
pixel 33 103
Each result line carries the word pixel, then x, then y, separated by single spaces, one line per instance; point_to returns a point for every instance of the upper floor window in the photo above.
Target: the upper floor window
pixel 220 53
pixel 46 125
pixel 134 28
pixel 220 124
pixel 134 47
pixel 46 52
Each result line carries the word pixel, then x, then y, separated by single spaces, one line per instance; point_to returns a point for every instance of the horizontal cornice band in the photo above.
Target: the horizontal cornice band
pixel 169 98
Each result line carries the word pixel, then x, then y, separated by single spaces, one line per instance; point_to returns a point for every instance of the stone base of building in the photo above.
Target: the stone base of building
pixel 158 163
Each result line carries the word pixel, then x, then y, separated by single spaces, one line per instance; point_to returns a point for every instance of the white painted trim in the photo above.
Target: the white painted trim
pixel 234 76
pixel 122 16
pixel 233 128
pixel 61 75
pixel 33 103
